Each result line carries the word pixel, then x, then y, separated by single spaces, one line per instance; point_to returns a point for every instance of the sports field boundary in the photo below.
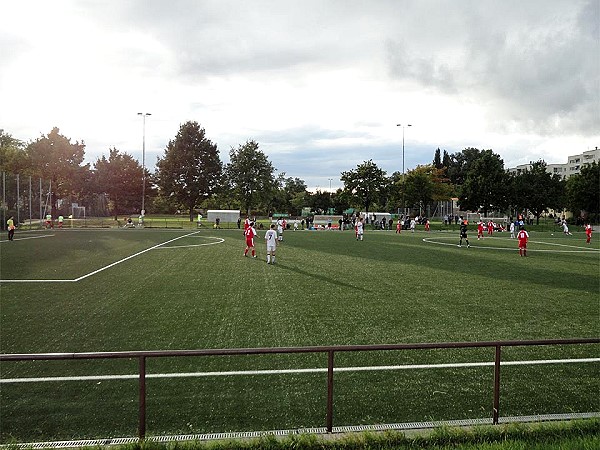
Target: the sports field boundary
pixel 330 351
pixel 407 426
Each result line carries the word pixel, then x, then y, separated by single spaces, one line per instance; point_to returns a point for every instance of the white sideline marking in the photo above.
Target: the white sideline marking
pixel 25 238
pixel 293 371
pixel 102 268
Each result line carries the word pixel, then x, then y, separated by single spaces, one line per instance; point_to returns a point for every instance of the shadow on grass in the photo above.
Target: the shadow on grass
pixel 462 262
pixel 321 278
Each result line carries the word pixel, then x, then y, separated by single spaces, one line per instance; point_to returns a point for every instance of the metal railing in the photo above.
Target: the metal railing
pixel 330 350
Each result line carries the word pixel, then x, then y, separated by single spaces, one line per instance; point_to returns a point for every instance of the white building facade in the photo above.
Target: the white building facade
pixel 572 167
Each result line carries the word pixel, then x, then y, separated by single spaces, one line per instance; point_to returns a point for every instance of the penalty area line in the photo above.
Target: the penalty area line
pixel 296 371
pixel 83 277
pixel 218 241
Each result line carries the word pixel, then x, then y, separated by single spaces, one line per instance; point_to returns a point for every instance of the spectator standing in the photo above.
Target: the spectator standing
pixel 10 223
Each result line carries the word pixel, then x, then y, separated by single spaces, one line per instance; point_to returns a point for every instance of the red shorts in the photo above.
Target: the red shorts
pixel 250 242
pixel 522 244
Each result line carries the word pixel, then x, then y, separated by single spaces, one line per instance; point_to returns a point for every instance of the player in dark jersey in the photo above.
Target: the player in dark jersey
pixel 463 233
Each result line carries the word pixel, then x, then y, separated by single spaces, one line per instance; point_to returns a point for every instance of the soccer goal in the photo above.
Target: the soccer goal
pixel 77 212
pixel 476 217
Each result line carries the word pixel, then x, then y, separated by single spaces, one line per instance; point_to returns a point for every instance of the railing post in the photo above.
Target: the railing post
pixel 330 391
pixel 496 386
pixel 142 408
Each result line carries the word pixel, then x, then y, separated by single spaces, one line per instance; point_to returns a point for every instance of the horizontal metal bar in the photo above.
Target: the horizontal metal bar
pixel 288 350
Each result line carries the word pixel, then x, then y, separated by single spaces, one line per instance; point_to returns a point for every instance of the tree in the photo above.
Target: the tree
pixel 437 159
pixel 251 175
pixel 425 185
pixel 120 178
pixel 582 190
pixel 12 154
pixel 537 190
pixel 365 183
pixel 320 202
pixel 190 170
pixel 446 161
pixel 460 164
pixel 54 157
pixel 287 189
pixel 485 186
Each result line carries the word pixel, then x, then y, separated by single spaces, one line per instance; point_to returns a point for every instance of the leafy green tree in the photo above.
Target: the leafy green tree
pixel 251 176
pixel 190 169
pixel 486 184
pixel 537 190
pixel 287 189
pixel 340 201
pixel 425 185
pixel 583 190
pixel 12 154
pixel 320 202
pixel 459 164
pixel 365 183
pixel 54 157
pixel 119 177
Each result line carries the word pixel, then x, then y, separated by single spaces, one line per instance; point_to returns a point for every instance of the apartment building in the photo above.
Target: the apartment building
pixel 572 167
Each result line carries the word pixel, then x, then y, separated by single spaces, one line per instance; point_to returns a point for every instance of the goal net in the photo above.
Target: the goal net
pixel 78 212
pixel 476 217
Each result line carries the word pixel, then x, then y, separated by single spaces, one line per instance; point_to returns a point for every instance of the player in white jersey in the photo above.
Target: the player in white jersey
pixel 280 229
pixel 271 238
pixel 360 228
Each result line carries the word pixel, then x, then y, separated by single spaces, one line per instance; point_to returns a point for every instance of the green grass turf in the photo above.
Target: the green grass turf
pixel 326 289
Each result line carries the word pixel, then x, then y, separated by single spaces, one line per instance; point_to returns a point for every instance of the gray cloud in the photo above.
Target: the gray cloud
pixel 535 63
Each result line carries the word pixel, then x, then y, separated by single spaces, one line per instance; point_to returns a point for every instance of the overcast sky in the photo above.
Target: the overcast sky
pixel 319 84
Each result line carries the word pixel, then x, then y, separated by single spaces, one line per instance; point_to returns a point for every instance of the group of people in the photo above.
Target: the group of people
pixel 522 235
pixel 272 236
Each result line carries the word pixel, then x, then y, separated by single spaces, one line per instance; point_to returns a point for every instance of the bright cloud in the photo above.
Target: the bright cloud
pixel 319 84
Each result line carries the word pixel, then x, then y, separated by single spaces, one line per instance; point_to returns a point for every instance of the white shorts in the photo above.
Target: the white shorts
pixel 271 248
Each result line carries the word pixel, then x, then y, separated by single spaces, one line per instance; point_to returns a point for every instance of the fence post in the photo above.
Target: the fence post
pixel 330 391
pixel 142 405
pixel 496 386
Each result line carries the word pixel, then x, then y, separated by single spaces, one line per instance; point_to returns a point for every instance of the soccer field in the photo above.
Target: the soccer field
pixel 146 289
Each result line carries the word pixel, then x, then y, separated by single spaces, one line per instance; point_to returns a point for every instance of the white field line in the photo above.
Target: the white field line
pixel 296 371
pixel 102 268
pixel 218 241
pixel 31 237
pixel 477 246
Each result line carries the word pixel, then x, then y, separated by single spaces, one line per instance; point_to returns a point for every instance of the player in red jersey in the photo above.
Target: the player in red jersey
pixel 588 233
pixel 250 234
pixel 522 237
pixel 490 226
pixel 480 230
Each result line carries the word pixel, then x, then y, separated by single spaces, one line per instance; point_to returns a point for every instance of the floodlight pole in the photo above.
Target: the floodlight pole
pixel 143 211
pixel 403 126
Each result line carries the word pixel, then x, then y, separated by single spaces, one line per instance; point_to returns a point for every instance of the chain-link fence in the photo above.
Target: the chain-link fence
pixel 25 198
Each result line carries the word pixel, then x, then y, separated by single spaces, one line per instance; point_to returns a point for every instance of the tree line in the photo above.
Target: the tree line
pixel 190 176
